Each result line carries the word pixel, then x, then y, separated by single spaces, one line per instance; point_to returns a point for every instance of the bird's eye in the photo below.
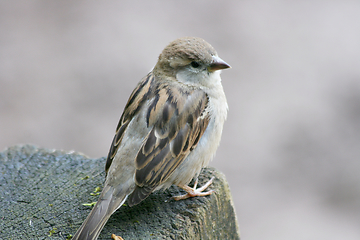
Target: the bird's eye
pixel 194 64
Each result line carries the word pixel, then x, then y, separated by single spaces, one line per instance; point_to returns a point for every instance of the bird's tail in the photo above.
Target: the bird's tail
pixel 99 215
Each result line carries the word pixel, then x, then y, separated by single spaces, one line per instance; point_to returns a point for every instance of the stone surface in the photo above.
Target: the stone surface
pixel 42 193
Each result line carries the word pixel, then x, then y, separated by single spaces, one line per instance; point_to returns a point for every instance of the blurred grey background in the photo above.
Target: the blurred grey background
pixel 291 146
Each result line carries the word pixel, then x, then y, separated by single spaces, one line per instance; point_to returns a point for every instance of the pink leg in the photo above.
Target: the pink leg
pixel 195 192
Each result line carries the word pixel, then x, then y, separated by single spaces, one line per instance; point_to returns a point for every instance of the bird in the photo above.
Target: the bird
pixel 169 130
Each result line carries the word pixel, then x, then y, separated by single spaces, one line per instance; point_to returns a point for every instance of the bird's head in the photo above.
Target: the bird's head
pixel 190 60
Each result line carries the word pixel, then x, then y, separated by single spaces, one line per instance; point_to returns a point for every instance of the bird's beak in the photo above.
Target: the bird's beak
pixel 218 64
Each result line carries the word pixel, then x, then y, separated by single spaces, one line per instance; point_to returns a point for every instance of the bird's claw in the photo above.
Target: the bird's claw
pixel 195 192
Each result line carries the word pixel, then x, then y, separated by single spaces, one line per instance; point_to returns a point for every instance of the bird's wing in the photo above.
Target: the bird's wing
pixel 138 97
pixel 177 119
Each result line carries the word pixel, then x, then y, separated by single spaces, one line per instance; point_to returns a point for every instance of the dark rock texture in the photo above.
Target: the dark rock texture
pixel 42 193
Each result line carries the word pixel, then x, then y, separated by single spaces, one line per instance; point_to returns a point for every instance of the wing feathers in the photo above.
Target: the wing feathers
pixel 134 104
pixel 176 120
pixel 179 141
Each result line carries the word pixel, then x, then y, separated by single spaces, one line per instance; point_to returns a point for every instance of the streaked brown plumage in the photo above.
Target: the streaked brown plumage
pixel 170 129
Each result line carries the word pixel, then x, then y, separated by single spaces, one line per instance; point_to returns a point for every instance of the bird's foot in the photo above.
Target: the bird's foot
pixel 193 191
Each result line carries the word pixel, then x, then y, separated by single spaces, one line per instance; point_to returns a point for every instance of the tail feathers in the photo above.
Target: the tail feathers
pixel 99 215
pixel 139 194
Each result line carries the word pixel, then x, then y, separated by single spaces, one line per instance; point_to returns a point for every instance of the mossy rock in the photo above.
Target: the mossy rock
pixel 43 192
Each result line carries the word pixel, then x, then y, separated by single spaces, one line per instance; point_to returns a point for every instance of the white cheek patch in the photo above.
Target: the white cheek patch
pixel 200 79
pixel 186 77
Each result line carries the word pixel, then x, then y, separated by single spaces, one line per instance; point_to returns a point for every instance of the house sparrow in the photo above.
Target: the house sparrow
pixel 170 129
